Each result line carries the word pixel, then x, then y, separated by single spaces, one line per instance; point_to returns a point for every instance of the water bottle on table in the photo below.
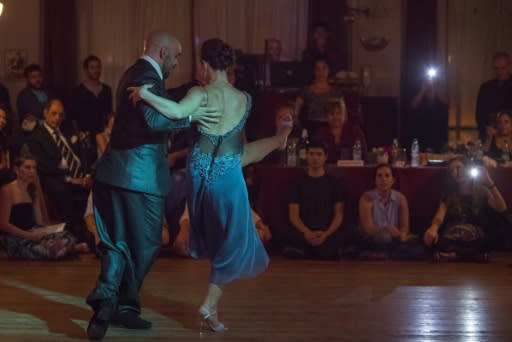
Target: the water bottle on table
pixel 291 154
pixel 415 153
pixel 357 151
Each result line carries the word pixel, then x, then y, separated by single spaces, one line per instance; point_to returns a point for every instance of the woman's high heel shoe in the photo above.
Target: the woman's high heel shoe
pixel 209 319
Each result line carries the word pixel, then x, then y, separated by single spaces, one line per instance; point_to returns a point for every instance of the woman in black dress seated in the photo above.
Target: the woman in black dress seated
pixel 21 214
pixel 458 230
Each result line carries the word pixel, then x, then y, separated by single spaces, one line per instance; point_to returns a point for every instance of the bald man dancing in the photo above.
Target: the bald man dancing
pixel 132 180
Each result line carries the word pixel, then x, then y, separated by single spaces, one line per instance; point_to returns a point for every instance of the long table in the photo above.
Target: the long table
pixel 422 186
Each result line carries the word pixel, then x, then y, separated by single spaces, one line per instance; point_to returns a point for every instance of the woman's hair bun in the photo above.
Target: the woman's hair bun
pixel 218 54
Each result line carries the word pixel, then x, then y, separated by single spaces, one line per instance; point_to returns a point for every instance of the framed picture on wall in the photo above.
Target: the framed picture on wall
pixel 15 63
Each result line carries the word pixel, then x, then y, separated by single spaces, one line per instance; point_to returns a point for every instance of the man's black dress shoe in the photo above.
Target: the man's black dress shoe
pixel 130 320
pixel 99 322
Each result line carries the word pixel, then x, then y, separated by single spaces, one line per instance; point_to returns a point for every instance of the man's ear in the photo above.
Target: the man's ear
pixel 163 53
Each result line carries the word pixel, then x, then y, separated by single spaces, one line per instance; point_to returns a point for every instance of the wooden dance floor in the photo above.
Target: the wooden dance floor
pixel 292 301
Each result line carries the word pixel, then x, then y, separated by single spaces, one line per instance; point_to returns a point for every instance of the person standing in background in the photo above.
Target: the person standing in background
pixel 494 95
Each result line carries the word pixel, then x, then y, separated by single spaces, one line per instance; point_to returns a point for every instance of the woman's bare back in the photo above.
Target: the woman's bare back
pixel 230 102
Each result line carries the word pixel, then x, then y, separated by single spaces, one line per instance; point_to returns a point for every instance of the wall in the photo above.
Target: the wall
pixel 385 19
pixel 19 29
pixel 20 23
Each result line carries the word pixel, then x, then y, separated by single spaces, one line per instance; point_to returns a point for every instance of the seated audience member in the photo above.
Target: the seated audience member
pixel 279 156
pixel 91 100
pixel 315 211
pixel 21 219
pixel 103 137
pixel 5 172
pixel 498 144
pixel 10 129
pixel 494 95
pixel 310 104
pixel 273 51
pixel 428 110
pixel 33 98
pixel 384 213
pixel 180 244
pixel 59 168
pixel 340 134
pixel 262 229
pixel 5 99
pixel 462 221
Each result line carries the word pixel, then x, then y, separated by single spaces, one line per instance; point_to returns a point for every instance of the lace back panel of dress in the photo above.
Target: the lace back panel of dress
pixel 214 154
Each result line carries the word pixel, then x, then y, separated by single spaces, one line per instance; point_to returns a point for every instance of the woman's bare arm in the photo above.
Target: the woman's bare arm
pixel 404 218
pixel 366 216
pixel 172 110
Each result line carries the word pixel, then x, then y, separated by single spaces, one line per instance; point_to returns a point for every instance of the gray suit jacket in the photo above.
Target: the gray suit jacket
pixel 137 156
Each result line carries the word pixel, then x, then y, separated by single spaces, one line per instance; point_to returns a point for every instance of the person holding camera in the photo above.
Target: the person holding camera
pixel 458 230
pixel 428 109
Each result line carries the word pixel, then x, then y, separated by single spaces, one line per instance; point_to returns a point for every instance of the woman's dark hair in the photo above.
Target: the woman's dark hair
pixel 31 188
pixel 451 195
pixel 381 166
pixel 321 59
pixel 282 106
pixel 218 54
pixel 450 183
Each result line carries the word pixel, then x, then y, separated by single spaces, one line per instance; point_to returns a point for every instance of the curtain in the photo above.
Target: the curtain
pixel 114 30
pixel 58 39
pixel 470 32
pixel 245 24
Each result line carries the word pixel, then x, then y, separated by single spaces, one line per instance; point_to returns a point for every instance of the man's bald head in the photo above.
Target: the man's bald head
pixel 158 39
pixel 164 49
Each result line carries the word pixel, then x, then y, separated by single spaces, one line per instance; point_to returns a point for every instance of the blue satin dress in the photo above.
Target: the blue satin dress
pixel 222 228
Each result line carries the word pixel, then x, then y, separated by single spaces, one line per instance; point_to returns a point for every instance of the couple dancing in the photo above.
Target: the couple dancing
pixel 132 180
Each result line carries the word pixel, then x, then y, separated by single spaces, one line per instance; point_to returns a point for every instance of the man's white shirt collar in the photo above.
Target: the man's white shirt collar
pixel 155 65
pixel 52 131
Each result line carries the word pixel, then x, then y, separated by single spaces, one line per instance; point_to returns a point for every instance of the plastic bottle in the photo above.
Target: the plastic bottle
pixel 415 153
pixel 291 154
pixel 357 151
pixel 303 147
pixel 395 149
pixel 505 155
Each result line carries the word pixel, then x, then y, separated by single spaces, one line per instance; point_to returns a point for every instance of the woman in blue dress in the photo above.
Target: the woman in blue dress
pixel 221 224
